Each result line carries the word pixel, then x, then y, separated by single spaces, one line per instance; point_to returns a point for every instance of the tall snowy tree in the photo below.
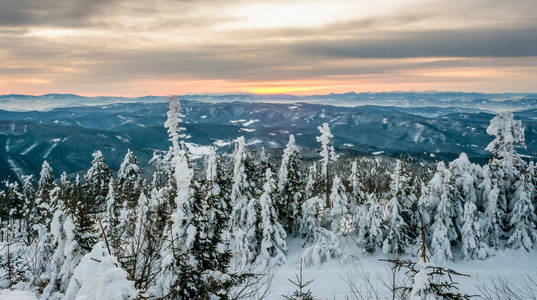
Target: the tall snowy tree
pixel 44 209
pixel 358 194
pixel 328 155
pixel 311 181
pixel 181 231
pixel 523 217
pixel 245 214
pixel 371 228
pixel 338 214
pixel 472 237
pixel 290 186
pixel 398 212
pixel 113 217
pixel 493 214
pixel 322 244
pixel 273 245
pixel 96 180
pixel 129 180
pixel 443 229
pixel 29 208
pixel 506 165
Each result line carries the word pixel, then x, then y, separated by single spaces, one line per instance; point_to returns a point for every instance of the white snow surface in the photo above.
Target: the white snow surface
pixel 99 277
pixel 330 279
pixel 16 295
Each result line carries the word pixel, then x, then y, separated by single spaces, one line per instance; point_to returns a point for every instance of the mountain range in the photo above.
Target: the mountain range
pixel 66 133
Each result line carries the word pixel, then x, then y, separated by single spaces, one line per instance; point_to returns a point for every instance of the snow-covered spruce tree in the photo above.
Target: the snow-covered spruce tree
pixel 11 207
pixel 273 245
pixel 29 208
pixel 163 180
pixel 129 180
pixel 181 231
pixel 245 214
pixel 243 187
pixel 523 217
pixel 73 234
pixel 531 172
pixel 322 244
pixel 337 216
pixel 443 229
pixel 114 231
pixel 44 209
pixel 358 194
pixel 398 212
pixel 492 215
pixel 96 183
pixel 328 155
pixel 435 189
pixel 290 187
pixel 162 169
pixel 311 181
pixel 473 245
pixel 505 165
pixel 371 229
pixel 63 260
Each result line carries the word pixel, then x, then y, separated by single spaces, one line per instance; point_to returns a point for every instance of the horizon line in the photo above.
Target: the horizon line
pixel 278 94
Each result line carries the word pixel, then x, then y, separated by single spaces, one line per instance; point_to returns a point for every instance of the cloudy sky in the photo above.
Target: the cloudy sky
pixel 159 47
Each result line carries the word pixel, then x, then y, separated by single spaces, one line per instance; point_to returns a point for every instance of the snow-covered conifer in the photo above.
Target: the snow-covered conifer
pixel 358 194
pixel 129 181
pixel 328 155
pixel 443 229
pixel 473 245
pixel 243 186
pixel 97 179
pixel 398 212
pixel 323 244
pixel 523 218
pixel 371 228
pixel 506 165
pixel 338 213
pixel 273 245
pixel 290 186
pixel 44 209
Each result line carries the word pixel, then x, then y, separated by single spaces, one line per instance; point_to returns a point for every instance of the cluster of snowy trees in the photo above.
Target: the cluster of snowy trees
pixel 201 229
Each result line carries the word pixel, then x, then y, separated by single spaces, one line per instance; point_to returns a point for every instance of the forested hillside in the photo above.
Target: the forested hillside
pixel 215 227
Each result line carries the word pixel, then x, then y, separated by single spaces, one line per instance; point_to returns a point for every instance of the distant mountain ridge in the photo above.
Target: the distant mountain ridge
pixel 67 136
pixel 484 101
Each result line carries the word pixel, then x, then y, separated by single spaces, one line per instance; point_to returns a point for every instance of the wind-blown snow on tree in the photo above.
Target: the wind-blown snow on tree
pixel 129 180
pixel 323 243
pixel 328 155
pixel 290 186
pixel 523 218
pixel 273 245
pixel 398 212
pixel 97 179
pixel 338 213
pixel 506 165
pixel 43 205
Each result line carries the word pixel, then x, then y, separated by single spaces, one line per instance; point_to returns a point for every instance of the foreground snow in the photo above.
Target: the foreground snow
pixel 16 295
pixel 330 279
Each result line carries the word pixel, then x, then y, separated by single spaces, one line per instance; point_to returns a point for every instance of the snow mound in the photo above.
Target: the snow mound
pixel 99 277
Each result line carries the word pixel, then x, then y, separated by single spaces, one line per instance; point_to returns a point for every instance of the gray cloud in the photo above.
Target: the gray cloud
pixel 72 13
pixel 491 42
pixel 364 47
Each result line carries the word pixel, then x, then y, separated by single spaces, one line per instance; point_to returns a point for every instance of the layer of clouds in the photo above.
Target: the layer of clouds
pixel 98 42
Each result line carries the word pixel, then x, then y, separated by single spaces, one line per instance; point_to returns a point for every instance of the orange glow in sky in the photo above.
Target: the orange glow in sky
pixel 268 47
